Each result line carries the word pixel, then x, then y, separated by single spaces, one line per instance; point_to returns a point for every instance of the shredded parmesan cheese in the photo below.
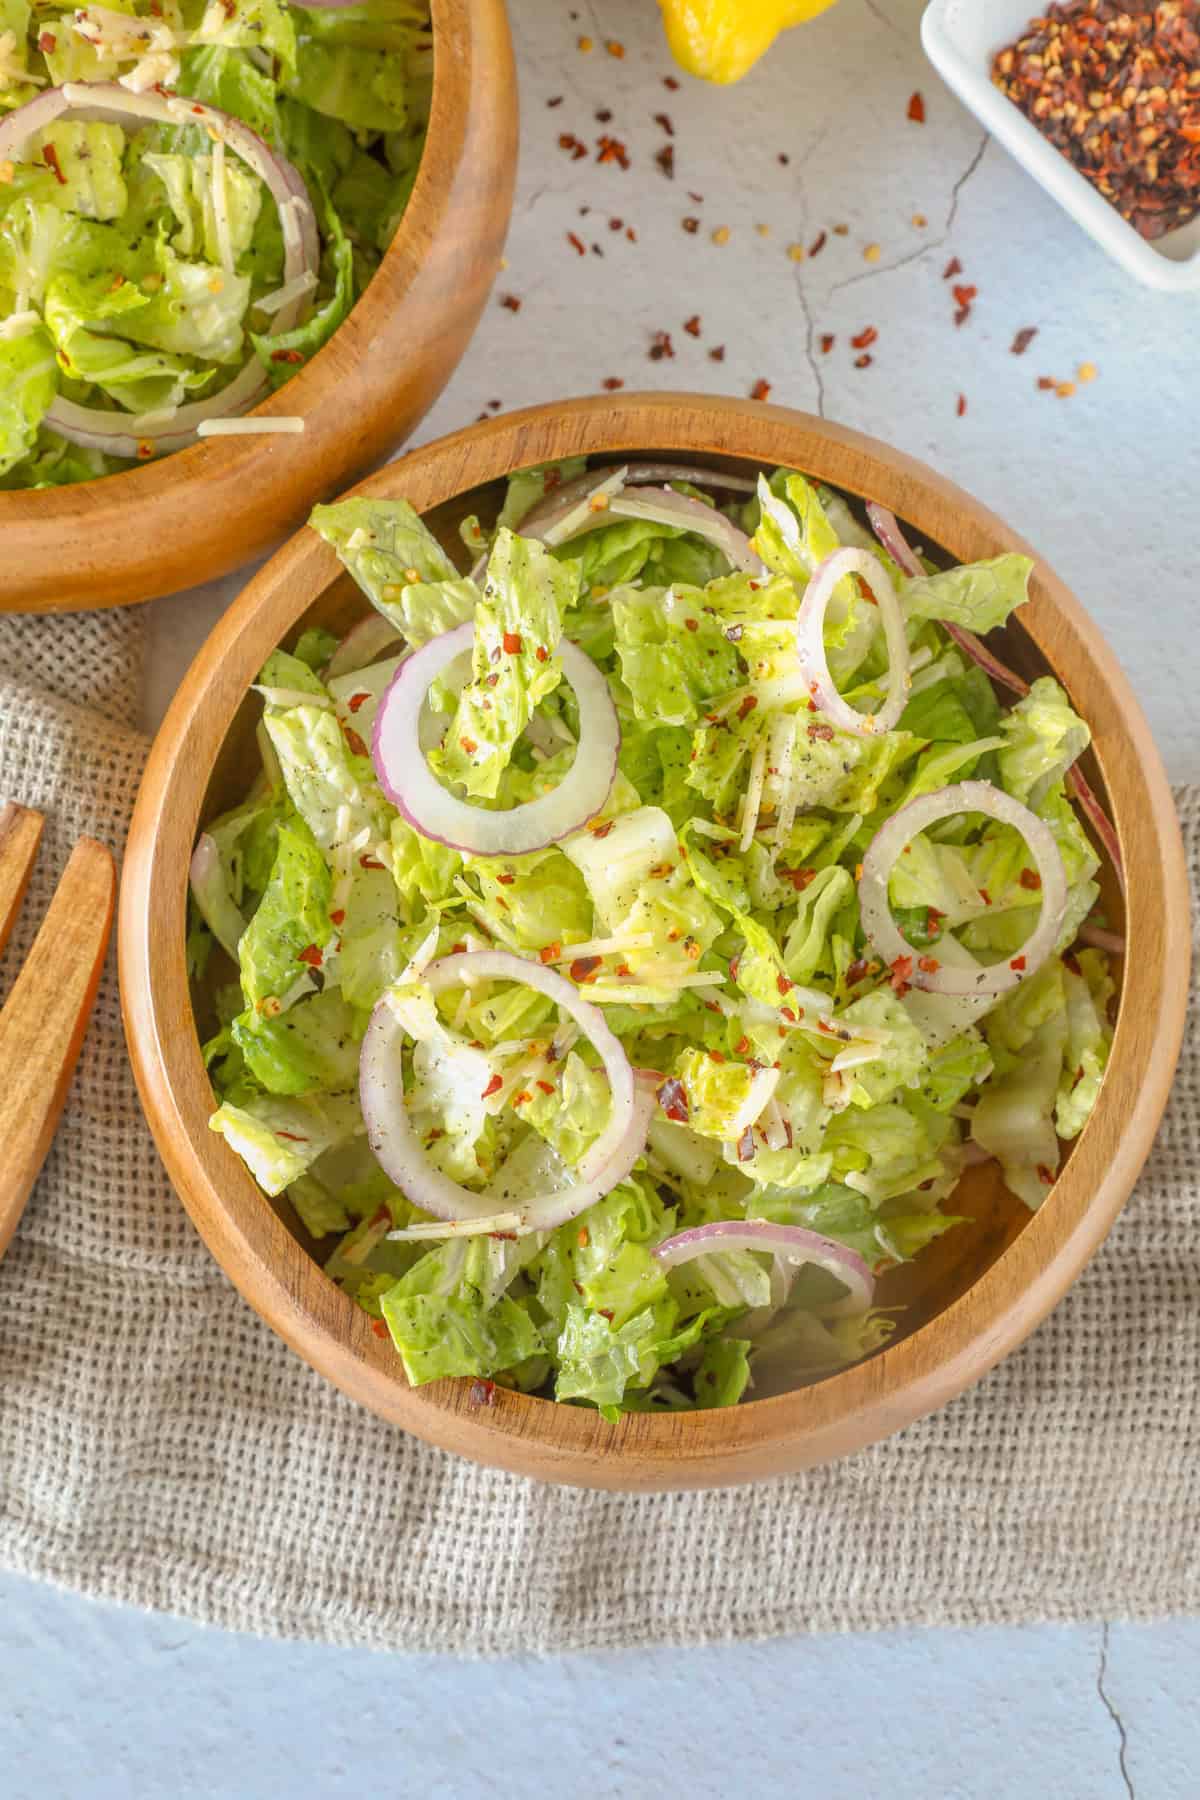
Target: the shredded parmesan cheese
pixel 248 427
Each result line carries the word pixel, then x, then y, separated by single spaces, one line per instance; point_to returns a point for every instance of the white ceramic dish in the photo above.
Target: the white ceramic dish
pixel 961 39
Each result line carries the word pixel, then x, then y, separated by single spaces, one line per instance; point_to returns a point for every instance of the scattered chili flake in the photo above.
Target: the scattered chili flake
pixel 506 880
pixel 576 244
pixel 799 878
pixel 672 1097
pixel 985 896
pixel 1115 89
pixel 692 624
pixel 864 361
pixel 692 325
pixel 691 225
pixel 665 158
pixel 952 268
pixel 468 745
pixel 631 234
pixel 858 971
pixel 586 44
pixel 928 965
pixel 660 346
pixel 287 356
pixel 483 1393
pixel 379 1328
pixel 611 149
pixel 523 1098
pixel 761 390
pixel 602 831
pixel 742 1045
pixel 550 952
pixel 357 747
pixel 575 147
pixel 820 733
pixel 1017 965
pixel 1047 383
pixel 1023 339
pixel 50 158
pixel 1087 371
pixel 604 116
pixel 1045 1175
pixel 964 294
pixel 145 449
pixel 866 337
pixel 542 654
pixel 47 42
pixel 337 917
pixel 612 383
pixel 747 707
pixel 788 1014
pixel 872 253
pixel 512 643
pixel 1029 879
pixel 615 224
pixel 670 82
pixel 372 862
pixel 900 974
pixel 556 101
pixel 1065 389
pixel 916 109
pixel 961 408
pixel 584 968
pixel 310 955
pixel 717 353
pixel 818 243
pixel 615 48
pixel 493 1087
pixel 721 235
pixel 783 984
pixel 357 700
pixel 828 340
pixel 664 119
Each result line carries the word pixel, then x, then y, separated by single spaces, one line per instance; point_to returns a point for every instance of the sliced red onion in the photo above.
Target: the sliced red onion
pixel 1099 939
pixel 362 645
pixel 922 968
pixel 792 1243
pixel 667 507
pixel 411 786
pixel 401 1155
pixel 810 641
pixel 171 428
pixel 647 474
pixel 894 542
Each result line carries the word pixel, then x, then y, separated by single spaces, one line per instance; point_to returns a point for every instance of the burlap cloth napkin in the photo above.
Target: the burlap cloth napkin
pixel 159 1445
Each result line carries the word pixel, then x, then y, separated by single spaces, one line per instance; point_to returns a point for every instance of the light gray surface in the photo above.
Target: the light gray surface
pixel 115 1705
pixel 105 1703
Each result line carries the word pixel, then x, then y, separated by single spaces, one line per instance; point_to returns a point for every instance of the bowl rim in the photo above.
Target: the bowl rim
pixel 563 1443
pixel 1138 256
pixel 272 462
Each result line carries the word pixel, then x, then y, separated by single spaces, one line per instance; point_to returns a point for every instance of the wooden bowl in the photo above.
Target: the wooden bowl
pixel 198 514
pixel 971 1297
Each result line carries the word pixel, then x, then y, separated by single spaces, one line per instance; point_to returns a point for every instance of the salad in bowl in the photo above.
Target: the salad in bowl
pixel 627 944
pixel 193 195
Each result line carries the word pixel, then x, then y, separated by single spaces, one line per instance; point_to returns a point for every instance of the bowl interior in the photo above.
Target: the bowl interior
pixel 945 1269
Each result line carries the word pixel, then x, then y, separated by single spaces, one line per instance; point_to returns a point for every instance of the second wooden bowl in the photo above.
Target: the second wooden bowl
pixel 190 517
pixel 970 1298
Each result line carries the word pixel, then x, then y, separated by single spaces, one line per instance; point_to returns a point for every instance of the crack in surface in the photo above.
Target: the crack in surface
pixel 884 20
pixel 809 344
pixel 937 243
pixel 1112 1712
pixel 960 184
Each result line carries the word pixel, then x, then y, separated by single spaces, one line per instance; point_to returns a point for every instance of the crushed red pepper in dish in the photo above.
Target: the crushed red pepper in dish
pixel 1117 90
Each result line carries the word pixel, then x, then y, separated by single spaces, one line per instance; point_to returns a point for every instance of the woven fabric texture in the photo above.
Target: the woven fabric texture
pixel 159 1445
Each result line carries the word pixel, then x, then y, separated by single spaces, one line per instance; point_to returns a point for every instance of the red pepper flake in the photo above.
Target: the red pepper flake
pixel 1023 339
pixel 745 1145
pixel 964 294
pixel 828 340
pixel 717 1056
pixel 512 643
pixel 985 896
pixel 615 48
pixel 928 965
pixel 355 743
pixel 483 1393
pixel 952 268
pixel 523 1098
pixel 1047 384
pixel 145 449
pixel 672 1097
pixel 493 1087
pixel 692 325
pixel 550 952
pixel 338 917
pixel 624 971
pixel 933 920
pixel 1030 879
pixel 866 337
pixel 961 407
pixel 611 149
pixel 604 116
pixel 468 745
pixel 370 862
pixel 717 353
pixel 47 42
pixel 1045 1175
pixel 660 346
pixel 665 158
pixel 511 302
pixel 577 244
pixel 50 158
pixel 692 624
pixel 799 878
pixel 783 984
pixel 858 971
pixel 293 1137
pixel 742 1045
pixel 747 707
pixel 287 356
pixel 612 383
pixel 787 1013
pixel 310 955
pixel 379 1328
pixel 822 733
pixel 864 361
pixel 584 968
pixel 664 119
pixel 575 147
pixel 556 101
pixel 691 225
pixel 1017 965
pixel 542 654
pixel 818 243
pixel 357 700
pixel 761 390
pixel 916 109
pixel 900 974
pixel 506 880
pixel 670 82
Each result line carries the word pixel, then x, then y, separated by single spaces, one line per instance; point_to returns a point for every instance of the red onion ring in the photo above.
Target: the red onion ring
pixel 793 1243
pixel 887 846
pixel 400 1153
pixel 669 508
pixel 646 474
pixel 888 531
pixel 411 786
pixel 810 641
pixel 173 428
